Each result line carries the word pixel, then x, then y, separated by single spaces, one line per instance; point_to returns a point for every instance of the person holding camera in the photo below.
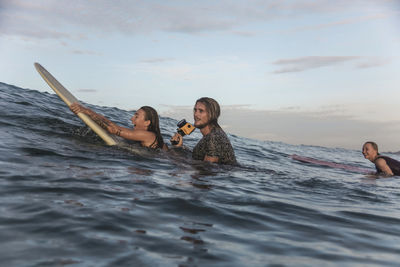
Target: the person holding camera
pixel 215 145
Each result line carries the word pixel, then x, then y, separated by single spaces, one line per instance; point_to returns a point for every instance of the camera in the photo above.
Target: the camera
pixel 185 128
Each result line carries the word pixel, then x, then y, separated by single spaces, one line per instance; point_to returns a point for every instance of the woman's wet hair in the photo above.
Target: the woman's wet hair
pixel 154 126
pixel 373 144
pixel 212 108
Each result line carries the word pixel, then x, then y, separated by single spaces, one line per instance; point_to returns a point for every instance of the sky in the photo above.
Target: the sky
pixel 323 73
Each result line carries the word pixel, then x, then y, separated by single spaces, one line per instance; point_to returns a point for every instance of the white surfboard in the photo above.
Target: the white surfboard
pixel 69 99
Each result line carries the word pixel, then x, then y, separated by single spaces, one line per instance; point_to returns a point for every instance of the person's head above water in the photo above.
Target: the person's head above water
pixel 214 146
pixel 206 112
pixel 152 123
pixel 370 150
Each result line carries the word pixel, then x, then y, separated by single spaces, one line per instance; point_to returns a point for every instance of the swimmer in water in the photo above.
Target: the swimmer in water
pixel 146 126
pixel 383 164
pixel 215 145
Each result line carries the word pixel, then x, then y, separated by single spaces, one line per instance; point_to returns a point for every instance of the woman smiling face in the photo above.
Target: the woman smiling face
pixel 139 120
pixel 369 152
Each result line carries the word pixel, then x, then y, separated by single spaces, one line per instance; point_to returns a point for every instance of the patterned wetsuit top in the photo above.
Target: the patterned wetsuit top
pixel 393 164
pixel 215 144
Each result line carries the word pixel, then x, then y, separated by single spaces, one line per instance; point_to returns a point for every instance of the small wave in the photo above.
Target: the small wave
pixel 67 198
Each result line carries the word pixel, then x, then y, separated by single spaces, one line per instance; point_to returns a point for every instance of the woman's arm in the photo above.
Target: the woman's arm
pixel 146 137
pixel 382 165
pixel 99 119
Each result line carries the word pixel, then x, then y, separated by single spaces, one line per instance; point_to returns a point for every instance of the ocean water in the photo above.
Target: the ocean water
pixel 66 199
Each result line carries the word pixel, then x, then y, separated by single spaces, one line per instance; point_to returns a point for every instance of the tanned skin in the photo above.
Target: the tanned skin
pixel 139 133
pixel 202 122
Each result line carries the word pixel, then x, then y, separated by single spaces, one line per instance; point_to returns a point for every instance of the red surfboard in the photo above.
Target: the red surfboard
pixel 332 164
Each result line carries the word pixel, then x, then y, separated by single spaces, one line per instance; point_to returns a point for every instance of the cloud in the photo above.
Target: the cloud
pixel 347 21
pixel 46 17
pixel 312 128
pixel 156 60
pixel 311 62
pixel 373 62
pixel 32 20
pixel 329 126
pixel 173 69
pixel 85 52
pixel 177 112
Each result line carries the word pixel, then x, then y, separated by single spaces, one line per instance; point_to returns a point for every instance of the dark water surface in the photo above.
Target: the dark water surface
pixel 69 200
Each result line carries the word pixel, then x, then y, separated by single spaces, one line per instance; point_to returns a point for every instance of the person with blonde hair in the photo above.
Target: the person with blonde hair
pixel 215 145
pixel 383 164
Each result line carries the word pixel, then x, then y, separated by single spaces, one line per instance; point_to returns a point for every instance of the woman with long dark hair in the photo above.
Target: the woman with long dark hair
pixel 146 126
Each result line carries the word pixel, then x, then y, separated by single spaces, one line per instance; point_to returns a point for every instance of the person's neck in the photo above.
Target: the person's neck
pixel 206 130
pixel 373 160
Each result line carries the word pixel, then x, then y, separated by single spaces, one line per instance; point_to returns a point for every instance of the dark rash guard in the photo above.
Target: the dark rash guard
pixel 393 164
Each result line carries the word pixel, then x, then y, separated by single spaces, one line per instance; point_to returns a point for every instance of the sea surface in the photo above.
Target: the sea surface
pixel 67 199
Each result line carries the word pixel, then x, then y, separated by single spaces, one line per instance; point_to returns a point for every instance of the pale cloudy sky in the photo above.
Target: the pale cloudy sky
pixel 302 72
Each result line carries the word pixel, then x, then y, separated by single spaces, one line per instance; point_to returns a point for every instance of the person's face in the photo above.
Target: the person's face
pixel 369 152
pixel 200 115
pixel 139 121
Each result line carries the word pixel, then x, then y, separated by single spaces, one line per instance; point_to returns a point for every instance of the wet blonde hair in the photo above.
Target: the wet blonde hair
pixel 212 108
pixel 373 144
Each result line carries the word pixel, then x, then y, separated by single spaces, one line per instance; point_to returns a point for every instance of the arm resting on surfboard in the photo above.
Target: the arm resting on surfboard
pixel 146 137
pixel 99 119
pixel 382 165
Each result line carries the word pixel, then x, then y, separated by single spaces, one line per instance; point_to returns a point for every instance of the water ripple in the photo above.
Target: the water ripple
pixel 67 199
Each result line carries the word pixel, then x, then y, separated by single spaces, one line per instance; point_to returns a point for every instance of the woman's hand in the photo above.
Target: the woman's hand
pixel 177 140
pixel 113 129
pixel 77 108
